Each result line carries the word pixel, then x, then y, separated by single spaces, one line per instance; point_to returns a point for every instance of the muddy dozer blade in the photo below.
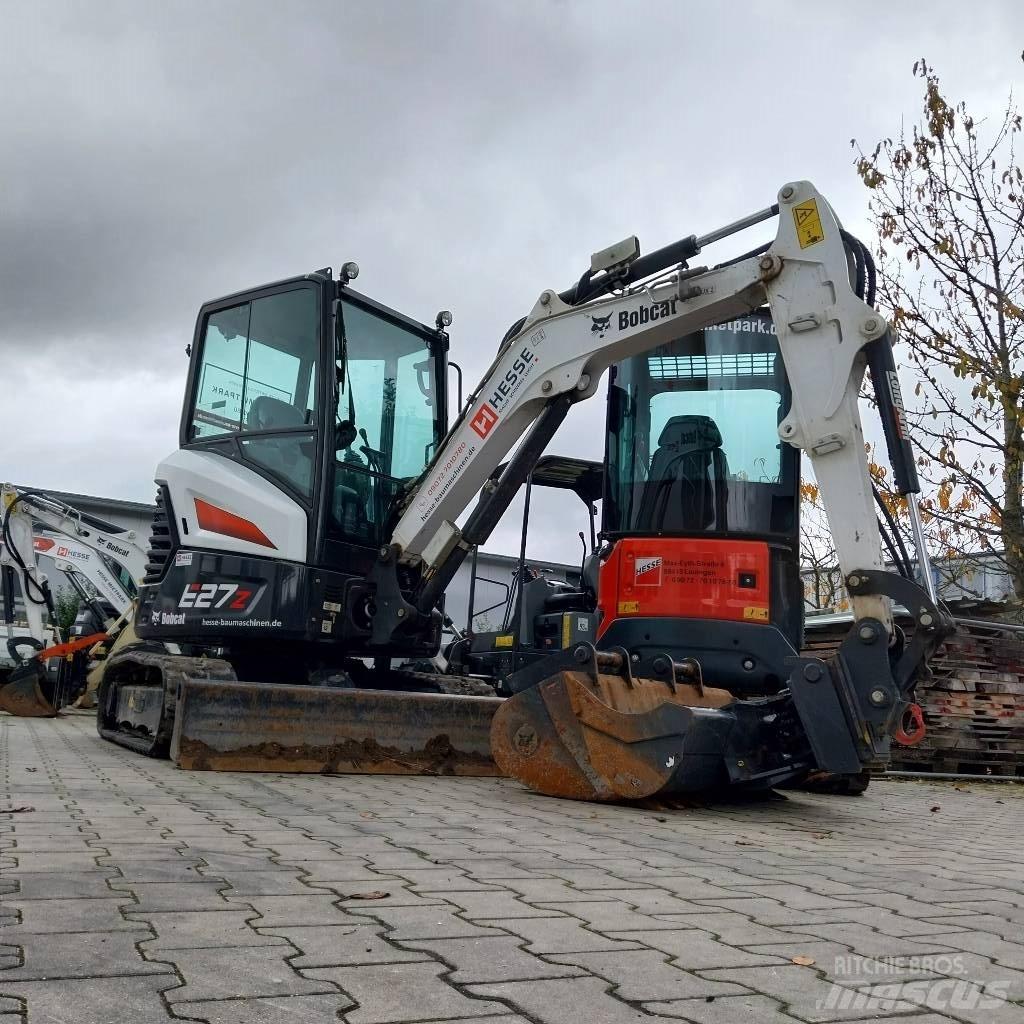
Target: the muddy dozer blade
pixel 609 738
pixel 266 727
pixel 25 693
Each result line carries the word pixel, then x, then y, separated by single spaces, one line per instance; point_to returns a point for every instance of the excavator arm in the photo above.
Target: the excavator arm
pixel 557 355
pixel 812 279
pixel 17 562
pixel 84 569
pixel 117 543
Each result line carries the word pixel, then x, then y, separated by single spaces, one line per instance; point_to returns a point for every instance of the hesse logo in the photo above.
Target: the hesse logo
pixel 484 420
pixel 215 595
pixel 648 571
pixel 487 415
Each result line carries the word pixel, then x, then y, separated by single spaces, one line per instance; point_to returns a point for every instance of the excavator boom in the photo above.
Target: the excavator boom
pixel 558 355
pixel 570 733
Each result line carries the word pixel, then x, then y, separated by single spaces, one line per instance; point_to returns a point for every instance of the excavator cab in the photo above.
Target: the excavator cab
pixel 699 550
pixel 309 408
pixel 701 512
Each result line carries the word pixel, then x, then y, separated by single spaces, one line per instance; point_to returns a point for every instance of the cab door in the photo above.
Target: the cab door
pixel 256 400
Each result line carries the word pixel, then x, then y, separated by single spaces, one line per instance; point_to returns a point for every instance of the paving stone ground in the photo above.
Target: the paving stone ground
pixel 133 892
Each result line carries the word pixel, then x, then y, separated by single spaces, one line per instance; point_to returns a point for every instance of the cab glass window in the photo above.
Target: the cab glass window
pixel 387 421
pixel 257 366
pixel 693 436
pixel 256 384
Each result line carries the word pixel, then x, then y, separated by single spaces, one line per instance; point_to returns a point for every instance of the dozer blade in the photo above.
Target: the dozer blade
pixel 265 727
pixel 25 693
pixel 606 738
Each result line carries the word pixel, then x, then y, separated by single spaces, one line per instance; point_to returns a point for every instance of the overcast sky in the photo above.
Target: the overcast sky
pixel 466 154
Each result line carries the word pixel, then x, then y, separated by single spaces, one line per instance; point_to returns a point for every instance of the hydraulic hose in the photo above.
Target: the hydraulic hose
pixel 33 591
pixel 902 561
pixel 855 247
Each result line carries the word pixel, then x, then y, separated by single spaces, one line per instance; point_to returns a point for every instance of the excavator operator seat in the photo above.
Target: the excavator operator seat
pixel 287 455
pixel 687 486
pixel 267 413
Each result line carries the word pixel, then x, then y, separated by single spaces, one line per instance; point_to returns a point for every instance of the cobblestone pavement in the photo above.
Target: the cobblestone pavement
pixel 133 892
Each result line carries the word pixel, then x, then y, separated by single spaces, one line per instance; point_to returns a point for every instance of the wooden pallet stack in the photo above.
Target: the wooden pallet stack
pixel 973 705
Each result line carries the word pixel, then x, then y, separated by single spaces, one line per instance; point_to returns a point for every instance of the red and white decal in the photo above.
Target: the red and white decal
pixel 65 552
pixel 219 520
pixel 215 595
pixel 483 422
pixel 648 571
pixel 42 544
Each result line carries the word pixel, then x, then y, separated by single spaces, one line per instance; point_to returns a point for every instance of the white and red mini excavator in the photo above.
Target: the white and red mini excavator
pixel 307 529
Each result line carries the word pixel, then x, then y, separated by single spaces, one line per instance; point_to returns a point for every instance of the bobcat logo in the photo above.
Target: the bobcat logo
pixel 600 324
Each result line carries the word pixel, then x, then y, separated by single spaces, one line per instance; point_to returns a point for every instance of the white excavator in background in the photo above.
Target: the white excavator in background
pixel 102 562
pixel 105 587
pixel 306 530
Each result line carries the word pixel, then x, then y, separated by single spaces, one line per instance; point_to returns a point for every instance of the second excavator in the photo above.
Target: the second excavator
pixel 307 530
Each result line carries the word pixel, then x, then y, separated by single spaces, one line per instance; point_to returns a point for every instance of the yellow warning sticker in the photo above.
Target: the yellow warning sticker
pixel 566 630
pixel 756 614
pixel 504 641
pixel 629 607
pixel 808 224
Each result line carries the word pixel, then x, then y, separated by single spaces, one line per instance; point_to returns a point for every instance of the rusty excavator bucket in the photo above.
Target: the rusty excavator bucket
pixel 592 731
pixel 28 692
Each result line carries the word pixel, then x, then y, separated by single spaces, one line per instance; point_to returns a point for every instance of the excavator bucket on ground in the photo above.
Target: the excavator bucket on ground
pixel 28 692
pixel 595 732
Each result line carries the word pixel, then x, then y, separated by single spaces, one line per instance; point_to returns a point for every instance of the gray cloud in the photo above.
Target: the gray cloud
pixel 467 154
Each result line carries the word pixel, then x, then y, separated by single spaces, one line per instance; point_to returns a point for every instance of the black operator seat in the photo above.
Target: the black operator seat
pixel 687 487
pixel 287 455
pixel 266 413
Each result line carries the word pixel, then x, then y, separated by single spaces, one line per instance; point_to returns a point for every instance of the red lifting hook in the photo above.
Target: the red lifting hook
pixel 911 728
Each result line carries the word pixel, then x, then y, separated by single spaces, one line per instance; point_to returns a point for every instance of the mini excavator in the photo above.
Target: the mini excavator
pixel 306 529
